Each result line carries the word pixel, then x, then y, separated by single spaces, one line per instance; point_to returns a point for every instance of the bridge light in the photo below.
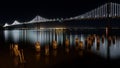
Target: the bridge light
pixel 50 19
pixel 104 15
pixel 95 16
pixel 109 15
pixel 54 19
pixel 82 17
pixel 71 18
pixel 115 14
pixel 6 24
pixel 61 18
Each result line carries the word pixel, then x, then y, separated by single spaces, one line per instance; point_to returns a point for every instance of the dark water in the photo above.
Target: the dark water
pixel 26 40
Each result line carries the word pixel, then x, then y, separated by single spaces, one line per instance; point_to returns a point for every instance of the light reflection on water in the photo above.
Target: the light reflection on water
pixel 45 37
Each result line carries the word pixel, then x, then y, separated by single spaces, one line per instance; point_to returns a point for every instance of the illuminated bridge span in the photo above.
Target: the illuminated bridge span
pixel 104 12
pixel 34 20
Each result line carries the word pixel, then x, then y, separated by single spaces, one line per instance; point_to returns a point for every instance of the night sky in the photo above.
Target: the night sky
pixel 25 10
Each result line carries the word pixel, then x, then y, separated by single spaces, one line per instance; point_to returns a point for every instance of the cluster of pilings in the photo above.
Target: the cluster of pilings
pixel 91 39
pixel 87 44
pixel 17 54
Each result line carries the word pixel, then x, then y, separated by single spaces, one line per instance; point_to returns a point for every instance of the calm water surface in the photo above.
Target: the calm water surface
pixel 46 36
pixel 27 38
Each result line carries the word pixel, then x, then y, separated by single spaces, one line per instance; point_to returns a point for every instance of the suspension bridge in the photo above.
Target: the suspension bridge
pixel 107 14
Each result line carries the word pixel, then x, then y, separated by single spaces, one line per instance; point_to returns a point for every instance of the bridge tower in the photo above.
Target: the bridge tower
pixel 108 14
pixel 108 28
pixel 108 18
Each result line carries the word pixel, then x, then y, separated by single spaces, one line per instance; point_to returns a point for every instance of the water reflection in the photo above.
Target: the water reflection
pixel 47 50
pixel 16 61
pixel 54 44
pixel 15 34
pixel 80 53
pixel 47 59
pixel 97 43
pixel 37 55
pixel 54 52
pixel 6 34
pixel 67 50
pixel 103 39
pixel 67 42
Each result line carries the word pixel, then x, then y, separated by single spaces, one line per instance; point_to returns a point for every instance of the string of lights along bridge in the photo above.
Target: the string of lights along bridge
pixel 111 10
